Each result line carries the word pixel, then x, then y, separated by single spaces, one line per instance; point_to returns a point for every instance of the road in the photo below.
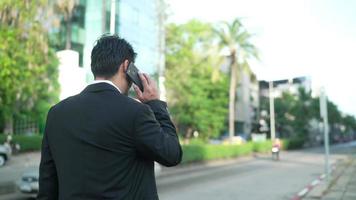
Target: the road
pixel 254 178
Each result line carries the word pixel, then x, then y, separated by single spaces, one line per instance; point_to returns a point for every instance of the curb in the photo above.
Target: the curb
pixel 198 166
pixel 311 185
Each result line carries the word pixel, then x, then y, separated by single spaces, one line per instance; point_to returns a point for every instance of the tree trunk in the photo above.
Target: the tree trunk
pixel 232 94
pixel 188 135
pixel 9 128
pixel 68 34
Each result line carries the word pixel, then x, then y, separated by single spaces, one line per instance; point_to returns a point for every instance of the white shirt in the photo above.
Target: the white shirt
pixel 108 82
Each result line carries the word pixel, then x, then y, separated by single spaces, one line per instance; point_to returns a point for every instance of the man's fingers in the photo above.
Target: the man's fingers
pixel 144 81
pixel 138 91
pixel 148 78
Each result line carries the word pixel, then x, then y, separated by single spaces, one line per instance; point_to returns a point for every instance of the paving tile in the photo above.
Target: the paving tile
pixel 334 195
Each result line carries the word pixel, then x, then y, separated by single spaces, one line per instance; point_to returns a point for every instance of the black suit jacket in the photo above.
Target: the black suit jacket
pixel 101 144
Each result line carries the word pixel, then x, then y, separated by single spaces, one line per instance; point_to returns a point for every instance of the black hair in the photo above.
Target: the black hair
pixel 109 52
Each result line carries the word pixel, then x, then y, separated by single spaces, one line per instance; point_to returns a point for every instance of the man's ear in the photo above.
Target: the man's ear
pixel 126 65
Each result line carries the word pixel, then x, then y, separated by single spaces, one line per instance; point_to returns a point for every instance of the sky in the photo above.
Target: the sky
pixel 315 38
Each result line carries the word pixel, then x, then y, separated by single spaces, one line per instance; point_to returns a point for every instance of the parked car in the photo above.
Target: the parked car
pixel 29 182
pixel 5 153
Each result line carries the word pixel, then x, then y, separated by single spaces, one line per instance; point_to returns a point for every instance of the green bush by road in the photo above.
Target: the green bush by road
pixel 27 142
pixel 203 152
pixel 194 152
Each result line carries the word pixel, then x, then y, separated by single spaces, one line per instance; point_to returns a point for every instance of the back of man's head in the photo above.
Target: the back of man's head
pixel 108 54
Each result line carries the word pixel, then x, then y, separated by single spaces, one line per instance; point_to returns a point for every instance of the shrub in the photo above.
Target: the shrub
pixel 26 142
pixel 202 152
pixel 262 147
pixel 293 143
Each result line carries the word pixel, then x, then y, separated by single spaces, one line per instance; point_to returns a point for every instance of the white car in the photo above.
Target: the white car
pixel 29 182
pixel 5 153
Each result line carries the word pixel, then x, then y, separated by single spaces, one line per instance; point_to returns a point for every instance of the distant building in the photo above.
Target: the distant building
pixel 279 87
pixel 247 103
pixel 137 21
pixel 285 85
pixel 140 22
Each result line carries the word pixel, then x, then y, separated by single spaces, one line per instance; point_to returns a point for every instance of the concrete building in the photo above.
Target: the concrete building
pixel 247 100
pixel 247 103
pixel 286 85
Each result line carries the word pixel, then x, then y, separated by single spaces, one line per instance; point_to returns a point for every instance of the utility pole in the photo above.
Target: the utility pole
pixel 161 16
pixel 324 116
pixel 112 16
pixel 271 110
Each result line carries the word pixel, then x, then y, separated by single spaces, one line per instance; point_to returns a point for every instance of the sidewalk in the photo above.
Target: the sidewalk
pixel 342 185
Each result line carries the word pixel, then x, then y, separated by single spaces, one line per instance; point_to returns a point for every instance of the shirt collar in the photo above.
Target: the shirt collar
pixel 108 82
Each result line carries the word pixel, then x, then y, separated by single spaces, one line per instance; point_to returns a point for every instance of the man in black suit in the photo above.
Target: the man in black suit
pixel 101 144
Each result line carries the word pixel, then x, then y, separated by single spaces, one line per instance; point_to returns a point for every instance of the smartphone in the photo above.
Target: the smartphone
pixel 132 73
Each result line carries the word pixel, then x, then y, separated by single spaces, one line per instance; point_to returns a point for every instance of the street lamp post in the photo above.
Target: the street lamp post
pixel 112 16
pixel 324 116
pixel 271 110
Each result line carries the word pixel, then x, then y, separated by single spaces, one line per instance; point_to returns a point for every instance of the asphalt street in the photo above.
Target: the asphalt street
pixel 253 178
pixel 256 179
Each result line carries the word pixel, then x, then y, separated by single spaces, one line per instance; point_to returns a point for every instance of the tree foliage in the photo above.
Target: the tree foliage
pixel 293 114
pixel 196 91
pixel 28 66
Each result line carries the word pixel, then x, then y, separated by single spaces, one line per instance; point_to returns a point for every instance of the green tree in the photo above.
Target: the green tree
pixel 294 112
pixel 196 92
pixel 350 123
pixel 28 66
pixel 236 39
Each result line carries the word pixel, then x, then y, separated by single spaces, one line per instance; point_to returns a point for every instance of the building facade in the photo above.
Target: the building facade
pixel 286 85
pixel 247 103
pixel 137 21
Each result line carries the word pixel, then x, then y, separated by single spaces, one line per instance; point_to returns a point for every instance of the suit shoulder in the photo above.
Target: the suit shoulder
pixel 133 102
pixel 63 102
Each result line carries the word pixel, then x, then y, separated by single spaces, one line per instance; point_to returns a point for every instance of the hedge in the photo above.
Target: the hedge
pixel 27 142
pixel 195 151
pixel 294 143
pixel 202 152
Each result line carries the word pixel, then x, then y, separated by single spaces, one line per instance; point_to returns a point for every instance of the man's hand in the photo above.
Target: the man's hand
pixel 150 91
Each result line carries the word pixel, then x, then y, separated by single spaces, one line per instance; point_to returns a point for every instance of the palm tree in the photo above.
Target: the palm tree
pixel 236 39
pixel 66 8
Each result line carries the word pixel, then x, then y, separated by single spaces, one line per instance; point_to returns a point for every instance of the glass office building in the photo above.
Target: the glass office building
pixel 137 21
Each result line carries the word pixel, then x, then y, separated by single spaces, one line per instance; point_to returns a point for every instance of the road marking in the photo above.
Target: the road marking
pixel 315 182
pixel 309 187
pixel 303 192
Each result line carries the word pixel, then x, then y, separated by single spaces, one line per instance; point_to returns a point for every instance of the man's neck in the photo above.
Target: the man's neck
pixel 116 82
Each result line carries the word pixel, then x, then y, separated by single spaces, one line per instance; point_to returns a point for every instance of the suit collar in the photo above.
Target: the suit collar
pixel 106 81
pixel 102 86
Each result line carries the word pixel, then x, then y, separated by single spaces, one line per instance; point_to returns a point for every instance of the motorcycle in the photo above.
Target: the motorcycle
pixel 275 153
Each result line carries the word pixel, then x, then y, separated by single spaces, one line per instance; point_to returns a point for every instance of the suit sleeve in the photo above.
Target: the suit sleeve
pixel 48 180
pixel 156 136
